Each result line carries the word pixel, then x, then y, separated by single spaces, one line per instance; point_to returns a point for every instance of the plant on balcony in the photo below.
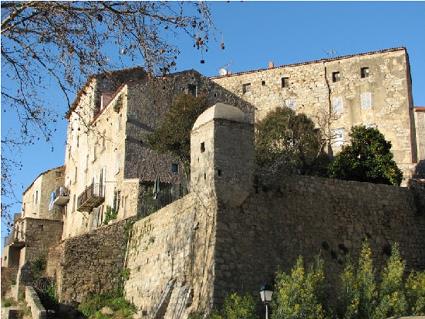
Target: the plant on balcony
pixel 110 214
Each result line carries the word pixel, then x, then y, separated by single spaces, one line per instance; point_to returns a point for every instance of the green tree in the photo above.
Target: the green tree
pixel 173 134
pixel 415 293
pixel 290 141
pixel 367 159
pixel 391 298
pixel 297 295
pixel 239 306
pixel 358 287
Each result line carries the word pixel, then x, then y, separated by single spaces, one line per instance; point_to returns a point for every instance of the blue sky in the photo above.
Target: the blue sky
pixel 284 32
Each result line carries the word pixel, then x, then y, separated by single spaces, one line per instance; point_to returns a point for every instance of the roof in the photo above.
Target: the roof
pixel 419 108
pixel 42 173
pixel 115 73
pixel 312 62
pixel 220 111
pixel 95 76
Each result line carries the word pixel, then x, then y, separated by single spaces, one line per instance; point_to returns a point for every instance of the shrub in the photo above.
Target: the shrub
pixel 415 293
pixel 391 298
pixel 298 294
pixel 367 159
pixel 110 214
pixel 92 305
pixel 290 142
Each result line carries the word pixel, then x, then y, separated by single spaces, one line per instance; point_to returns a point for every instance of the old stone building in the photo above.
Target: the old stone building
pixel 235 227
pixel 373 89
pixel 108 163
pixel 232 231
pixel 37 227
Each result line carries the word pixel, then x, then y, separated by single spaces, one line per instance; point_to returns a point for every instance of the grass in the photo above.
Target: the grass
pixel 93 304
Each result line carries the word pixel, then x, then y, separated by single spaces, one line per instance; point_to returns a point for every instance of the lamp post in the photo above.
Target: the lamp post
pixel 266 296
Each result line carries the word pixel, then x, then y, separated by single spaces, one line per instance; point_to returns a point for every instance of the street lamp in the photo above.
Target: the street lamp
pixel 266 296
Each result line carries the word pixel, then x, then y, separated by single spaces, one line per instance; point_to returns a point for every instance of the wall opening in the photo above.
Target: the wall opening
pixel 336 76
pixel 364 72
pixel 284 82
pixel 202 147
pixel 246 88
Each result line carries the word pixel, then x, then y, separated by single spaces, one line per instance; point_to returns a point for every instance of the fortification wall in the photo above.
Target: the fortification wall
pixel 171 259
pixel 305 216
pixel 90 263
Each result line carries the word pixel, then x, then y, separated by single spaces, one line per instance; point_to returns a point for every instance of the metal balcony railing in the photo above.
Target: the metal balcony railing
pixel 91 197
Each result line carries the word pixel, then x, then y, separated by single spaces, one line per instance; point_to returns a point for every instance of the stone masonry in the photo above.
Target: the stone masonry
pixel 372 89
pixel 231 234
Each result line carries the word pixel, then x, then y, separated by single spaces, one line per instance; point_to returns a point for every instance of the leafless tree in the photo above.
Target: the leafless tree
pixel 64 42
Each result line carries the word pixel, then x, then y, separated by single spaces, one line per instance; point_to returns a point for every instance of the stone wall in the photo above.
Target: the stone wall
pixel 90 263
pixel 420 132
pixel 382 99
pixel 40 235
pixel 305 216
pixel 171 259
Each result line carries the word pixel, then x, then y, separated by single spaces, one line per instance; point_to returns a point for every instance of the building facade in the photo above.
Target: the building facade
pixel 371 89
pixel 37 227
pixel 109 165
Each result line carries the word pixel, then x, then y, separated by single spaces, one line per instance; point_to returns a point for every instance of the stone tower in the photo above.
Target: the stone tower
pixel 222 154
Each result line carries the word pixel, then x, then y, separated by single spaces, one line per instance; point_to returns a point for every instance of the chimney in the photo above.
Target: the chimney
pixel 271 65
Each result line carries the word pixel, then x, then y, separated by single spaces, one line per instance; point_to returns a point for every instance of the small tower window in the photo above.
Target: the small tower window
pixel 192 89
pixel 219 172
pixel 263 83
pixel 202 147
pixel 364 72
pixel 285 82
pixel 246 88
pixel 175 168
pixel 336 76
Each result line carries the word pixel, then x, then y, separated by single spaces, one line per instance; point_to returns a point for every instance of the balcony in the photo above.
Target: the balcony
pixel 91 197
pixel 60 197
pixel 15 239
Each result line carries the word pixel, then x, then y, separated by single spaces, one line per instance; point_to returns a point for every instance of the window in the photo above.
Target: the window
pixel 366 100
pixel 337 105
pixel 78 140
pixel 364 72
pixel 75 174
pixel 338 135
pixel 36 197
pixel 291 103
pixel 117 162
pixel 219 172
pixel 263 83
pixel 94 153
pixel 336 76
pixel 192 89
pixel 246 88
pixel 74 199
pixel 285 82
pixel 202 147
pixel 175 168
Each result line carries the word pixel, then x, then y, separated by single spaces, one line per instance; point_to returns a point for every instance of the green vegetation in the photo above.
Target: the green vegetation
pixel 8 302
pixel 235 306
pixel 299 293
pixel 110 214
pixel 361 295
pixel 121 309
pixel 173 134
pixel 367 159
pixel 288 141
